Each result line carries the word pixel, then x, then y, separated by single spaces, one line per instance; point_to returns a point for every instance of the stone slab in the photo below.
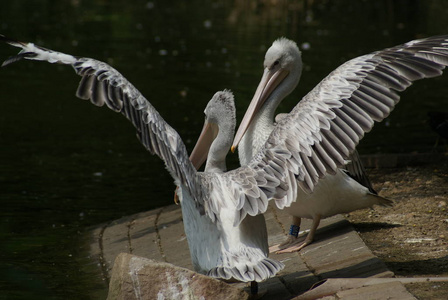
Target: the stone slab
pixel 143 235
pixel 337 252
pixel 173 240
pixel 359 288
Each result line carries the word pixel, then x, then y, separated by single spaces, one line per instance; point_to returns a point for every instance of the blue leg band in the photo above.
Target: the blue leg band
pixel 294 230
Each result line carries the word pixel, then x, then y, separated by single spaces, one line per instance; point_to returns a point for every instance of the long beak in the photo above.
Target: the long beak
pixel 202 147
pixel 269 82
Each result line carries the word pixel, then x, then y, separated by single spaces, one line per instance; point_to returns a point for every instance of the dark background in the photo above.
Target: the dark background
pixel 66 165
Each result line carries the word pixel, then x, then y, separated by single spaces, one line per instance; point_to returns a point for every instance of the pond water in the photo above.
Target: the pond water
pixel 66 165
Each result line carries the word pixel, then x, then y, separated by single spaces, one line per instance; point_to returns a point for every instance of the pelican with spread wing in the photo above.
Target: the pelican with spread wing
pixel 204 236
pixel 223 244
pixel 326 125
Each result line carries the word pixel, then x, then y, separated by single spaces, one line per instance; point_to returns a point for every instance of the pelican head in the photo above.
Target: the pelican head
pixel 216 135
pixel 282 70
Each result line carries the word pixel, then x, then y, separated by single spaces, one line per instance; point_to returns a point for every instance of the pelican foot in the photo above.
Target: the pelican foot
pixel 290 240
pixel 294 247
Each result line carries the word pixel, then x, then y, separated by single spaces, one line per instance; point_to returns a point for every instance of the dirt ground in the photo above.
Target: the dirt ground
pixel 412 236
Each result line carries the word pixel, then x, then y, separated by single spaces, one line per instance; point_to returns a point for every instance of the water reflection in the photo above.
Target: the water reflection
pixel 66 165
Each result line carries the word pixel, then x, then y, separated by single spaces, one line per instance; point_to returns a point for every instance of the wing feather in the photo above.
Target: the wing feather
pixel 316 137
pixel 357 93
pixel 102 84
pixel 321 132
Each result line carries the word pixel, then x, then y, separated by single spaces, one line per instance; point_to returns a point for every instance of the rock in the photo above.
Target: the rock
pixel 135 277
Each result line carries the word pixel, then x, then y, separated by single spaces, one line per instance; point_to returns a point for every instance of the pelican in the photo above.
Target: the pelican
pixel 367 84
pixel 220 246
pixel 212 146
pixel 316 138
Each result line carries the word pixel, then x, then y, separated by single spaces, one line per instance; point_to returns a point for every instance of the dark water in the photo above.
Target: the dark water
pixel 66 165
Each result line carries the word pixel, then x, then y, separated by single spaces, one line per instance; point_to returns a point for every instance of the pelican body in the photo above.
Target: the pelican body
pixel 205 239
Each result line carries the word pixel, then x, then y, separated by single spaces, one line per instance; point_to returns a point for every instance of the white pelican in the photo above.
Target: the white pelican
pixel 221 244
pixel 345 104
pixel 212 146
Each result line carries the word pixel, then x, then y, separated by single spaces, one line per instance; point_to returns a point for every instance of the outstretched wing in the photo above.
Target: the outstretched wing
pixel 102 84
pixel 322 131
pixel 324 128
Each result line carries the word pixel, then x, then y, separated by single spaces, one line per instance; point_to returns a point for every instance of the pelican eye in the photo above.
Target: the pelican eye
pixel 276 62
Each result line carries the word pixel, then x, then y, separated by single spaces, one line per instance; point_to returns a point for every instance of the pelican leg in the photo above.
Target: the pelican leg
pixel 253 288
pixel 309 239
pixel 292 236
pixel 255 293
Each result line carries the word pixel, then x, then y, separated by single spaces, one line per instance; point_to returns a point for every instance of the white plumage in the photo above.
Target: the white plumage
pixel 332 118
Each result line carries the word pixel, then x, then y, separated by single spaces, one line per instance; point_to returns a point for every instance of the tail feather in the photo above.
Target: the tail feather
pixel 381 201
pixel 264 269
pixel 356 170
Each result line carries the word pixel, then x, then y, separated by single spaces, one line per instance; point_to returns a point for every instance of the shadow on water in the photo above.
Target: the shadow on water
pixel 66 165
